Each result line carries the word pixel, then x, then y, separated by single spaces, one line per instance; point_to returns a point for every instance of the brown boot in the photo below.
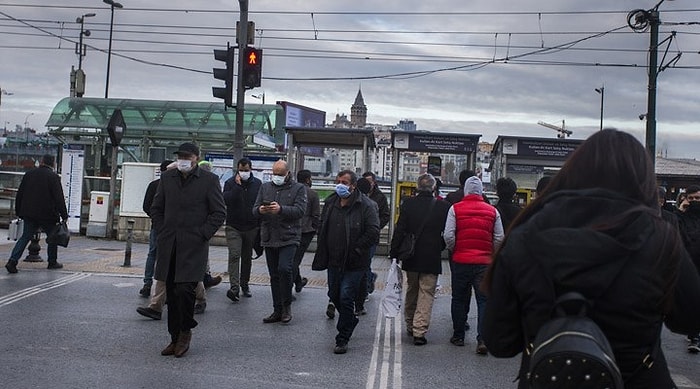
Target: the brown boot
pixel 286 314
pixel 183 343
pixel 274 318
pixel 170 350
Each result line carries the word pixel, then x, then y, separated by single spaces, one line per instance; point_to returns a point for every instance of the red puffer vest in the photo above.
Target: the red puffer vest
pixel 474 231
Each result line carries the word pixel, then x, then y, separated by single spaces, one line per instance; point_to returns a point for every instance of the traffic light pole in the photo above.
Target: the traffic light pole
pixel 242 39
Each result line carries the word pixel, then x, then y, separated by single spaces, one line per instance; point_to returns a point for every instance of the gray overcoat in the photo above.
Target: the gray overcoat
pixel 186 214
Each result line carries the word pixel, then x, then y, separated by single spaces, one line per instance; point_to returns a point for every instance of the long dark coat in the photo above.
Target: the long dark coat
pixel 40 196
pixel 430 244
pixel 186 213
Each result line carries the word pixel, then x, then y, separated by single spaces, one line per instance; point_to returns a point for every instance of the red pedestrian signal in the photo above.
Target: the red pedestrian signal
pixel 252 67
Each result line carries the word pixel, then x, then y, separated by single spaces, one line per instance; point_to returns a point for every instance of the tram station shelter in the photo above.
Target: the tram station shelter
pixel 527 159
pixel 153 130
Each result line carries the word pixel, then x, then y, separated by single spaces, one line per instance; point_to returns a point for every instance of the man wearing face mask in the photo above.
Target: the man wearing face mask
pixel 349 229
pixel 689 227
pixel 242 226
pixel 187 211
pixel 280 204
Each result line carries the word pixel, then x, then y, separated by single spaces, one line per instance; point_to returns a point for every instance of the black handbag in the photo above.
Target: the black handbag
pixel 59 235
pixel 407 248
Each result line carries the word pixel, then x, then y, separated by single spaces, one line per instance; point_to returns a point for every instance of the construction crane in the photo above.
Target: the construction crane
pixel 563 132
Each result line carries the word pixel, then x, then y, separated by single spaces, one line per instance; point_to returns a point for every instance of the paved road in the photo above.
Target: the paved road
pixel 77 328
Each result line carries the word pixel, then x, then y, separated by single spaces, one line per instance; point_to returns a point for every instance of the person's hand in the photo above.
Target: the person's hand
pixel 238 179
pixel 272 209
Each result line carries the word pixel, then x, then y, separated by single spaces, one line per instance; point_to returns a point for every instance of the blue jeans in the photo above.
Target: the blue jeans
pixel 464 278
pixel 367 280
pixel 30 227
pixel 342 290
pixel 280 261
pixel 151 258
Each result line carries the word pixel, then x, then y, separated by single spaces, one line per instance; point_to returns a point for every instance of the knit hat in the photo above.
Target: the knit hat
pixel 473 185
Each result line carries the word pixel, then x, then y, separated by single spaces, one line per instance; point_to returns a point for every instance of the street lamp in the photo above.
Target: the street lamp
pixel 26 120
pixel 112 5
pixel 80 48
pixel 601 91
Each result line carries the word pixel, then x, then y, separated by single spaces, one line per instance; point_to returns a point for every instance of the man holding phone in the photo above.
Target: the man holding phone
pixel 281 204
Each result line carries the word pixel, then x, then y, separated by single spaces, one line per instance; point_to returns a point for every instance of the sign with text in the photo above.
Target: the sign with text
pixel 552 149
pixel 72 162
pixel 448 144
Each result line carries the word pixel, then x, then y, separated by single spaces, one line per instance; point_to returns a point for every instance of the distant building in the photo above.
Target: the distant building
pixel 358 112
pixel 407 125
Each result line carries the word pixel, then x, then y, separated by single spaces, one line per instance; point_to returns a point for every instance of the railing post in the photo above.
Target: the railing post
pixel 34 248
pixel 129 241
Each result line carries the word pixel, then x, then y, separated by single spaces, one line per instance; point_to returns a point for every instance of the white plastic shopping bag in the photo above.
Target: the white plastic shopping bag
pixel 393 289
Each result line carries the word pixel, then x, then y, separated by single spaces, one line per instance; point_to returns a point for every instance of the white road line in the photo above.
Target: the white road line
pixel 28 292
pixel 387 342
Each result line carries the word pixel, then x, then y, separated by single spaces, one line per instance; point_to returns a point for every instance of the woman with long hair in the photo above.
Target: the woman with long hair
pixel 596 230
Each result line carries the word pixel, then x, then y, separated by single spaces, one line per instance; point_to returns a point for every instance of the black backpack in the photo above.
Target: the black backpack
pixel 571 351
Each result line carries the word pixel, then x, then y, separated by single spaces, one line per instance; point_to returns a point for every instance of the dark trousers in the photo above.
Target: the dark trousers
pixel 342 290
pixel 151 258
pixel 279 265
pixel 464 278
pixel 306 238
pixel 180 297
pixel 367 280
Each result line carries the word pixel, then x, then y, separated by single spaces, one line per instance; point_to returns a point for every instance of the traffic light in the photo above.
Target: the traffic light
pixel 225 93
pixel 252 67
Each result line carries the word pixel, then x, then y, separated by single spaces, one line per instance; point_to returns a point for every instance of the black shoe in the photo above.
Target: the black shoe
pixel 210 282
pixel 301 285
pixel 481 348
pixel 199 308
pixel 54 265
pixel 274 318
pixel 286 316
pixel 145 291
pixel 457 341
pixel 11 267
pixel 373 278
pixel 340 348
pixel 246 291
pixel 694 346
pixel 149 312
pixel 419 340
pixel 360 310
pixel 233 295
pixel 330 310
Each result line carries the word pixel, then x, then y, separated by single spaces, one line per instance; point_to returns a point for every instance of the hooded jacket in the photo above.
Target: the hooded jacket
pixel 619 254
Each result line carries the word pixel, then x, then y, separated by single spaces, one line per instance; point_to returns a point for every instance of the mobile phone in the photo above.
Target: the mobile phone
pixel 265 203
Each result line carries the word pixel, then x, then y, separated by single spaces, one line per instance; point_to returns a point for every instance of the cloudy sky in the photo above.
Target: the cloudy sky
pixel 489 67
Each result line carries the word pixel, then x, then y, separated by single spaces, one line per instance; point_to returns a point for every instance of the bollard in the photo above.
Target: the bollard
pixel 129 240
pixel 34 248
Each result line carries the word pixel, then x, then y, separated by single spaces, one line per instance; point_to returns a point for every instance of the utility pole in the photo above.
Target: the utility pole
pixel 654 22
pixel 242 39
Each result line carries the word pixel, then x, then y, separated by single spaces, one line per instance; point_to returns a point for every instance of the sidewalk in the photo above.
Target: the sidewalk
pixel 93 255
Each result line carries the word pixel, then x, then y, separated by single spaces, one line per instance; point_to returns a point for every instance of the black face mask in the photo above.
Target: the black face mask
pixel 694 207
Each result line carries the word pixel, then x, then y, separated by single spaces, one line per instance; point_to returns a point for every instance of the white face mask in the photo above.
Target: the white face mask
pixel 278 180
pixel 184 165
pixel 244 175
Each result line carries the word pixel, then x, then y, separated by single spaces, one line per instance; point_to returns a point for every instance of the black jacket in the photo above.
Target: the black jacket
pixel 361 232
pixel 429 245
pixel 150 195
pixel 40 196
pixel 379 197
pixel 239 199
pixel 508 210
pixel 617 253
pixel 689 227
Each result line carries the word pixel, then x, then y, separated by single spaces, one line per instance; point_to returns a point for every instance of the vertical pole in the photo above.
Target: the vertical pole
pixel 602 104
pixel 129 241
pixel 651 97
pixel 109 51
pixel 112 193
pixel 242 38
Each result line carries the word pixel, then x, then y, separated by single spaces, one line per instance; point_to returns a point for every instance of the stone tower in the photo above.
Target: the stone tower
pixel 358 112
